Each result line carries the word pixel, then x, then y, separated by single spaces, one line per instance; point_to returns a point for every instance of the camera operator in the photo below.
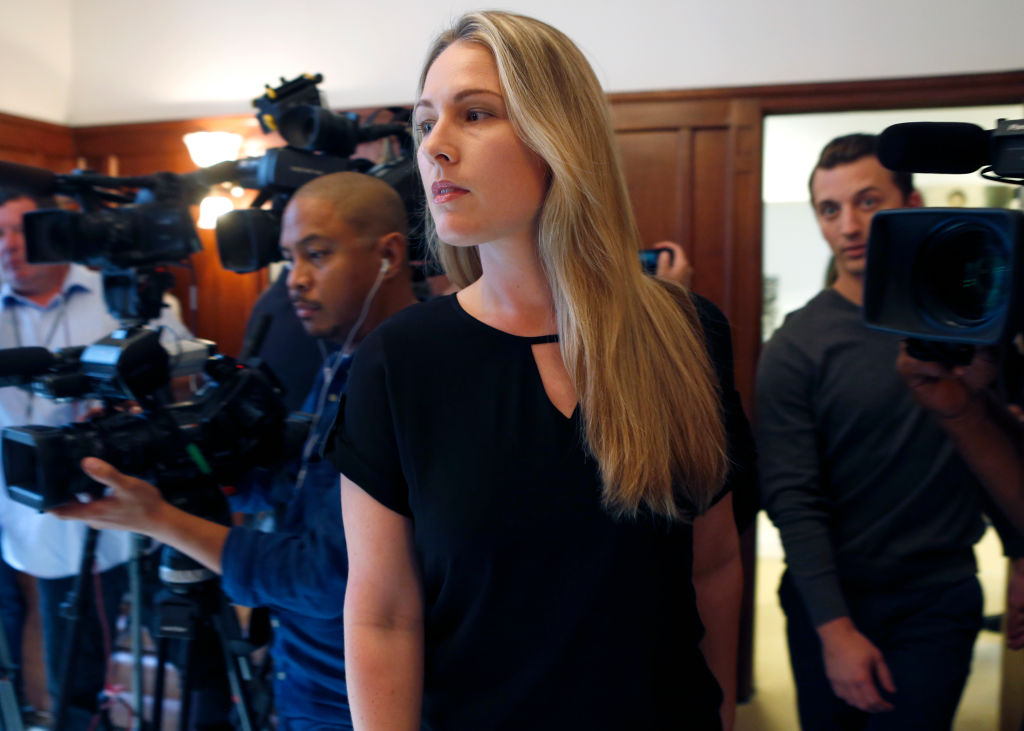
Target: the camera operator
pixel 877 513
pixel 345 236
pixel 988 435
pixel 55 306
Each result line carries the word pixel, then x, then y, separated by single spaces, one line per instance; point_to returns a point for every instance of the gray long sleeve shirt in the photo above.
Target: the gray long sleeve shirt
pixel 866 490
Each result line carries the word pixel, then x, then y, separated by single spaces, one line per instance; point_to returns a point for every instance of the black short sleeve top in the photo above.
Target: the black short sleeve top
pixel 541 609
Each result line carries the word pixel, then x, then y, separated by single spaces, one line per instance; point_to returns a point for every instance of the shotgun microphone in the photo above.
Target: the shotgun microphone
pixel 934 147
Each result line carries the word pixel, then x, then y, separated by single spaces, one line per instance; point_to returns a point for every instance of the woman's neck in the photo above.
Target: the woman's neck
pixel 513 293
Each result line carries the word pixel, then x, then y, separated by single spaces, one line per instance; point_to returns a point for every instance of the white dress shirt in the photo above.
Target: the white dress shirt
pixel 33 542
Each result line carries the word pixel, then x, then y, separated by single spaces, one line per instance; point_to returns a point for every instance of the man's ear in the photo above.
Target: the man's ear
pixel 392 248
pixel 914 200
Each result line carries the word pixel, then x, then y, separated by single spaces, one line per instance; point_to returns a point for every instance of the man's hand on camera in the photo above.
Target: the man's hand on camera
pixel 948 393
pixel 130 503
pixel 135 505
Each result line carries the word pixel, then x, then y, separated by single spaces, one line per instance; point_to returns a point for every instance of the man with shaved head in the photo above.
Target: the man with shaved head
pixel 345 236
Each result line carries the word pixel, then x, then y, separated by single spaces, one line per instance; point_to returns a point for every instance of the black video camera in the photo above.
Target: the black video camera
pixel 949 279
pixel 236 422
pixel 319 142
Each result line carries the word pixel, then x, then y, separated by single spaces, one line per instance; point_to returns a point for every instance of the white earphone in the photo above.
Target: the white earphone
pixel 384 265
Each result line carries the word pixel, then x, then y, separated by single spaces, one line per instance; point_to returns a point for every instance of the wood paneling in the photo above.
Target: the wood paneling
pixel 693 171
pixel 904 93
pixel 28 142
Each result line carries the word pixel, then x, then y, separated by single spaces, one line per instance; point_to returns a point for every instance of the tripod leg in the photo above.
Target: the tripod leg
pixel 186 685
pixel 82 596
pixel 158 691
pixel 225 623
pixel 135 588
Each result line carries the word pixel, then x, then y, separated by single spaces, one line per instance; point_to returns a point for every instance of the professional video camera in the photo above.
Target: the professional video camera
pixel 949 279
pixel 237 421
pixel 319 142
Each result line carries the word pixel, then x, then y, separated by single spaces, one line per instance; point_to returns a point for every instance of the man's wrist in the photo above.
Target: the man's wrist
pixel 165 521
pixel 835 629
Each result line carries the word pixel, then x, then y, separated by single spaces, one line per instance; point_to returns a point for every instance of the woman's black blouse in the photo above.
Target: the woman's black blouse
pixel 541 610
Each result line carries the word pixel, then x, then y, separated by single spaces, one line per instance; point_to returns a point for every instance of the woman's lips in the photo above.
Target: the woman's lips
pixel 445 191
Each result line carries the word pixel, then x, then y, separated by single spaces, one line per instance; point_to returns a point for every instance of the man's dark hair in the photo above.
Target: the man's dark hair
pixel 850 148
pixel 41 201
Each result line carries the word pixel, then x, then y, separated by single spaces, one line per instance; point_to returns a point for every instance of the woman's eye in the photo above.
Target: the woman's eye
pixel 425 126
pixel 475 115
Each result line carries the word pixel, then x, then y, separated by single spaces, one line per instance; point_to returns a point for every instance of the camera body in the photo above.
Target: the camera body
pixel 238 422
pixel 949 279
pixel 319 142
pixel 947 274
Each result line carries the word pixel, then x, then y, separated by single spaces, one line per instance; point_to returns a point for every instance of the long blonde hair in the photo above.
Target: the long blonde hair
pixel 633 347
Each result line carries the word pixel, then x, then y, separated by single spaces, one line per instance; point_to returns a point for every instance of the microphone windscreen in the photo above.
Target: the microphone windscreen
pixel 24 361
pixel 934 147
pixel 27 179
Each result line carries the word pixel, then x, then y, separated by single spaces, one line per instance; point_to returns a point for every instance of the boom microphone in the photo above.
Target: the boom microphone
pixel 934 147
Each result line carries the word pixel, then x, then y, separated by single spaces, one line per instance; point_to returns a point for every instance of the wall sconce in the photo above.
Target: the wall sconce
pixel 211 208
pixel 210 148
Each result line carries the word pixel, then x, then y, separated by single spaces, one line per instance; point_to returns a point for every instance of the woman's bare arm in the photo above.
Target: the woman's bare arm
pixel 383 615
pixel 718 581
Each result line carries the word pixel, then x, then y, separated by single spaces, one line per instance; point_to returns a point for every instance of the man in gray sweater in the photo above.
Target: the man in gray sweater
pixel 877 512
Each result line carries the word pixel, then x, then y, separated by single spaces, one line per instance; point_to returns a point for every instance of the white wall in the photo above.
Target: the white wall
pixel 136 60
pixel 35 55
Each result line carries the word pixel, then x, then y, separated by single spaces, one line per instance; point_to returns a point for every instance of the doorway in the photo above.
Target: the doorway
pixel 794 263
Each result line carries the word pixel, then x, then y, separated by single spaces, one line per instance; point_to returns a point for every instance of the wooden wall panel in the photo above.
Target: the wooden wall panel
pixel 28 142
pixel 658 191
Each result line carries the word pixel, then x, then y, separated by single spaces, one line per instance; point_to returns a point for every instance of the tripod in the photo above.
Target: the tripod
pixel 194 611
pixel 77 605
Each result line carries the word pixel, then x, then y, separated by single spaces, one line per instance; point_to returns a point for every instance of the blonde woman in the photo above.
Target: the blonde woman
pixel 533 467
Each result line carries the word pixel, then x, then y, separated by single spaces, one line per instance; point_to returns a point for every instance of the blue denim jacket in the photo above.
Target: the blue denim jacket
pixel 299 571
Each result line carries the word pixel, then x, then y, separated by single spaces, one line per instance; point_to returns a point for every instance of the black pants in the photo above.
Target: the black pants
pixel 12 618
pixel 926 638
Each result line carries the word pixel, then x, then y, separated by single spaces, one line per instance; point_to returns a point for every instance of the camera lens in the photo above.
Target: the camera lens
pixel 961 273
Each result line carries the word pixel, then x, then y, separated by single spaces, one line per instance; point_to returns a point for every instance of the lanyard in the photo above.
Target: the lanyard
pixel 46 342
